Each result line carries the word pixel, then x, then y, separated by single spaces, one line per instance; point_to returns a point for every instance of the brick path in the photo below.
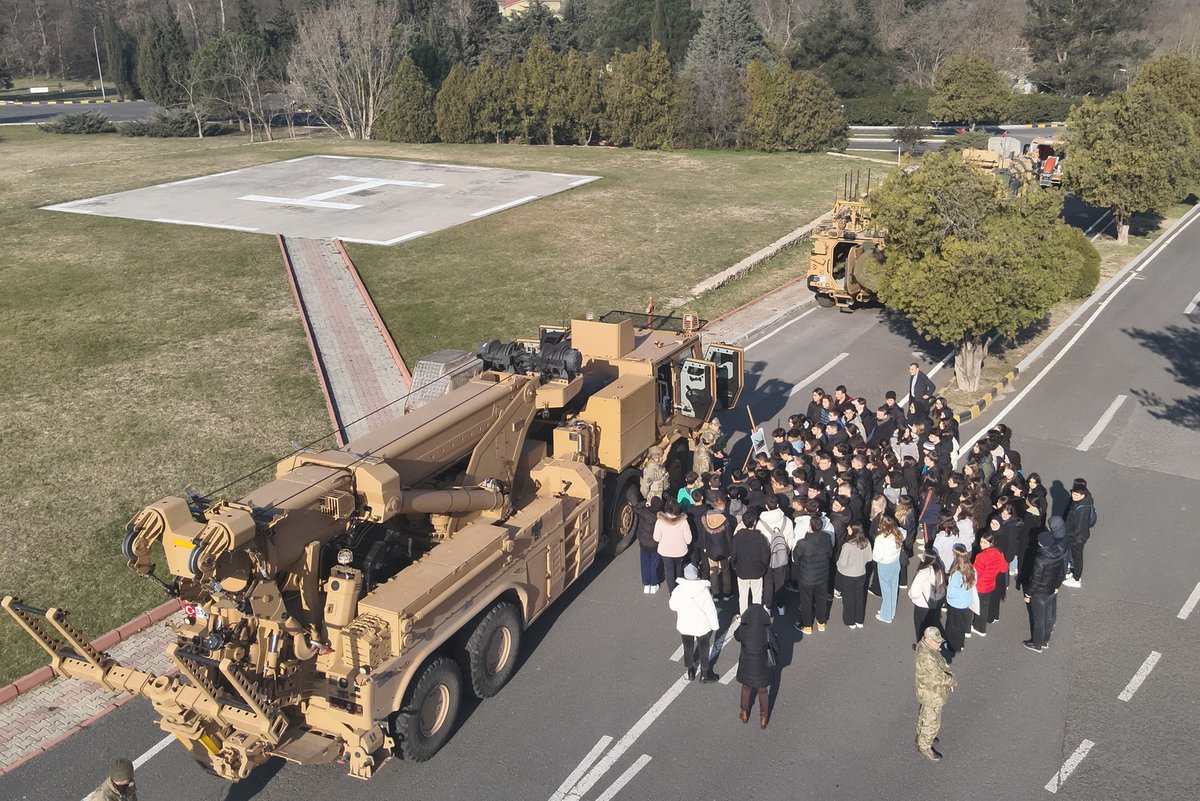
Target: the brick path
pixel 362 371
pixel 43 716
pixel 743 325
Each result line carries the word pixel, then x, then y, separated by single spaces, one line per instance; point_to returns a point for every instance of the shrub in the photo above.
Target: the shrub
pixel 1081 262
pixel 907 106
pixel 1037 107
pixel 85 122
pixel 966 139
pixel 168 123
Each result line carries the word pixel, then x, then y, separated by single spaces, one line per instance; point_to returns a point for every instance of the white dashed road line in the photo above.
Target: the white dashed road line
pixel 1140 676
pixel 808 379
pixel 1104 420
pixel 1190 603
pixel 1069 766
pixel 1191 307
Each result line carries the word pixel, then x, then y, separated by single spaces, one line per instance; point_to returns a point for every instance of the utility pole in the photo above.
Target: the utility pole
pixel 103 93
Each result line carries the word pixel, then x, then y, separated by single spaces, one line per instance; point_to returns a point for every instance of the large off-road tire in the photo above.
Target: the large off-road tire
pixel 490 653
pixel 426 718
pixel 824 301
pixel 619 519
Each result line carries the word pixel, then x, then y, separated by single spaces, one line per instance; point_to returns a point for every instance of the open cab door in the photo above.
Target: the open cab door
pixel 697 389
pixel 729 363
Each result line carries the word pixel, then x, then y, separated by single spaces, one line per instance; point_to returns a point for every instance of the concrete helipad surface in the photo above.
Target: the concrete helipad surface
pixel 373 201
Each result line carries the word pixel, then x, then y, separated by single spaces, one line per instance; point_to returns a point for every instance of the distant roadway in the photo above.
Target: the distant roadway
pixel 28 112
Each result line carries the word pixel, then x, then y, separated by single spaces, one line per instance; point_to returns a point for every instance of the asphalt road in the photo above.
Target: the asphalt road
pixel 139 109
pixel 842 724
pixel 860 141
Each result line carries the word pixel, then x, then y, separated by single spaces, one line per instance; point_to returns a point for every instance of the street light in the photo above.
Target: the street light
pixel 103 94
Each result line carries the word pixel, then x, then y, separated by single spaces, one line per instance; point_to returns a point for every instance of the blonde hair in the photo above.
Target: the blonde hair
pixel 962 564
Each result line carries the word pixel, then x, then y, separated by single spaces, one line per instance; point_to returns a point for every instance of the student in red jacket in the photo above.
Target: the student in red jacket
pixel 990 564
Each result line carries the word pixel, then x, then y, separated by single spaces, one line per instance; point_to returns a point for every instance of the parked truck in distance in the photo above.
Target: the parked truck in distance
pixel 341 610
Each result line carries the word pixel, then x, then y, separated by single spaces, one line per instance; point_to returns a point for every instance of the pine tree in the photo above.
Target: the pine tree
pixel 120 56
pixel 408 113
pixel 729 33
pixel 970 90
pixel 792 110
pixel 452 108
pixel 162 61
pixel 280 34
pixel 247 19
pixel 638 99
pixel 493 99
pixel 483 20
pixel 541 92
pixel 584 78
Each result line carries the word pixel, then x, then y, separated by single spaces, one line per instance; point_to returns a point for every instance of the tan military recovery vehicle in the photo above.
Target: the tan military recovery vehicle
pixel 341 610
pixel 839 252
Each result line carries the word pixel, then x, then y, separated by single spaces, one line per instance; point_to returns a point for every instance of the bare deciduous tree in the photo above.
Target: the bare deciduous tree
pixel 345 55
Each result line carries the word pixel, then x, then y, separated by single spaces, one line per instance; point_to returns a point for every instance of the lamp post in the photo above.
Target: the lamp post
pixel 103 93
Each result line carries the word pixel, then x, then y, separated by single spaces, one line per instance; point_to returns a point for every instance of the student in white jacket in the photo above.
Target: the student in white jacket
pixel 696 620
pixel 781 539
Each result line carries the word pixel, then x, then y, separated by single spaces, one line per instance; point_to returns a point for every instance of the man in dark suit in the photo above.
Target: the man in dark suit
pixel 920 389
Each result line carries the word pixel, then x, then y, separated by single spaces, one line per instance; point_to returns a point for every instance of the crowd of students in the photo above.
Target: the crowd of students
pixel 844 502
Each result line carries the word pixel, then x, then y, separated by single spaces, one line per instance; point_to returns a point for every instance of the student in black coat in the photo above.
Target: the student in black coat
pixel 811 558
pixel 755 672
pixel 645 516
pixel 750 558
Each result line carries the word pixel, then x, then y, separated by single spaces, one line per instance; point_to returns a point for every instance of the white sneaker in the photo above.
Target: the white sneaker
pixel 837 593
pixel 1072 583
pixel 968 634
pixel 858 625
pixel 977 631
pixel 879 617
pixel 653 589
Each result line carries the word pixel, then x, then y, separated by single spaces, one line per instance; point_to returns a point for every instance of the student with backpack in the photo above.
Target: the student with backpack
pixel 778 530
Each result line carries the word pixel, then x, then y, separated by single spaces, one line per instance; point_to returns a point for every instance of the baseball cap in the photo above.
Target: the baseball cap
pixel 934 633
pixel 121 770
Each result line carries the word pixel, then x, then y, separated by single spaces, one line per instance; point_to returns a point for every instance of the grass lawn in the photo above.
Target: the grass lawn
pixel 59 90
pixel 144 359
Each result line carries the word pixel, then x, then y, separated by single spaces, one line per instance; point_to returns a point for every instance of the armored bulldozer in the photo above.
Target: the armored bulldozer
pixel 341 610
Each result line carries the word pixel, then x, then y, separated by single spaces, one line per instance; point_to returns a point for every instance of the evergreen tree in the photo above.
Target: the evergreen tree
pixel 542 92
pixel 513 37
pixel 966 259
pixel 1175 76
pixel 408 113
pixel 162 62
pixel 792 110
pixel 626 25
pixel 452 108
pixel 638 97
pixel 247 19
pixel 846 51
pixel 120 57
pixel 969 90
pixel 1134 152
pixel 280 34
pixel 493 99
pixel 729 34
pixel 584 78
pixel 1079 47
pixel 483 20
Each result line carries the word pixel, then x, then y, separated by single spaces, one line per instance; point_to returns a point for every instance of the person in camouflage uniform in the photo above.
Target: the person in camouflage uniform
pixel 702 452
pixel 119 784
pixel 935 682
pixel 654 474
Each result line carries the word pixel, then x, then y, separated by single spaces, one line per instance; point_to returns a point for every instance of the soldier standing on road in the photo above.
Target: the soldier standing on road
pixel 935 682
pixel 654 474
pixel 1080 516
pixel 118 786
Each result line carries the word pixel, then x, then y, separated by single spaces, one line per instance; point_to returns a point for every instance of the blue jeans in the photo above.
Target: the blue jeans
pixel 889 586
pixel 651 562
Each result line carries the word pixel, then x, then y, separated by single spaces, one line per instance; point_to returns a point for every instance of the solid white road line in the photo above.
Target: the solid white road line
pixel 1190 603
pixel 1140 676
pixel 808 379
pixel 624 778
pixel 675 657
pixel 1069 766
pixel 765 337
pixel 206 225
pixel 64 208
pixel 581 182
pixel 1104 420
pixel 347 158
pixel 903 402
pixel 626 742
pixel 299 201
pixel 581 768
pixel 1158 247
pixel 504 206
pixel 1191 307
pixel 146 757
pixel 730 674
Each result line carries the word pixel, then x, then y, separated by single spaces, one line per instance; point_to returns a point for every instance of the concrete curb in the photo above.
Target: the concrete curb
pixel 63 102
pixel 383 329
pixel 102 643
pixel 976 408
pixel 730 274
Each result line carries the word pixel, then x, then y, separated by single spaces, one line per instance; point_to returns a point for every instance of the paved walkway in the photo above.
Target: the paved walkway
pixel 743 325
pixel 47 714
pixel 362 372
